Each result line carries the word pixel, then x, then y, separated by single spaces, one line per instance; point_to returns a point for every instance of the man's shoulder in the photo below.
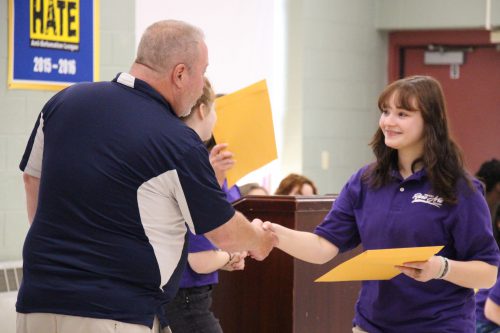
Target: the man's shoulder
pixel 183 136
pixel 92 86
pixel 83 89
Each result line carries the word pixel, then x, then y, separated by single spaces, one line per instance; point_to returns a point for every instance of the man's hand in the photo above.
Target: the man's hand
pixel 267 240
pixel 221 161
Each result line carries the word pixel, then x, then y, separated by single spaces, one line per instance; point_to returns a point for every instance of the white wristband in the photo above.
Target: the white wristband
pixel 441 270
pixel 446 269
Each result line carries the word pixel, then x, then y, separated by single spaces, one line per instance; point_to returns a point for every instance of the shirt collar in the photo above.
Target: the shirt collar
pixel 132 82
pixel 416 176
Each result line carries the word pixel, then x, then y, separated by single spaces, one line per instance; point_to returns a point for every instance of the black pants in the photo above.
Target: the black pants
pixel 189 312
pixel 486 327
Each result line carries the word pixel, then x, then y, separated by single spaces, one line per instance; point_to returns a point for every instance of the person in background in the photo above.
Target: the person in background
pixel 416 193
pixel 190 310
pixel 222 160
pixel 253 189
pixel 489 174
pixel 113 178
pixel 295 184
pixel 488 300
pixel 488 309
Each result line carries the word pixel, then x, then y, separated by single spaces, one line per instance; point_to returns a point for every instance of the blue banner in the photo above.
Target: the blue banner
pixel 52 43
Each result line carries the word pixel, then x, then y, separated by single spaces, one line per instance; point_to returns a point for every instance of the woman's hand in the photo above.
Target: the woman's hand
pixel 236 261
pixel 423 271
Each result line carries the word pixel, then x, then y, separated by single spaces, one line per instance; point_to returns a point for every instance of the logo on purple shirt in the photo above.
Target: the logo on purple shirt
pixel 433 200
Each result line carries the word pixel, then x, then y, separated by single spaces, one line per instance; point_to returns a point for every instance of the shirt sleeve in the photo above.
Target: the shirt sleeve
pixel 207 206
pixel 31 162
pixel 472 233
pixel 199 243
pixel 339 226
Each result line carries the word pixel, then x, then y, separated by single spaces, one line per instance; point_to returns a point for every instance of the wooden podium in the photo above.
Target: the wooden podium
pixel 279 294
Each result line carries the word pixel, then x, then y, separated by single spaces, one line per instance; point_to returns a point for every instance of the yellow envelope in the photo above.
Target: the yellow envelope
pixel 245 122
pixel 378 264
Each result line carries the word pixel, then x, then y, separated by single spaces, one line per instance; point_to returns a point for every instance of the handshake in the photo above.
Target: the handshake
pixel 255 239
pixel 266 239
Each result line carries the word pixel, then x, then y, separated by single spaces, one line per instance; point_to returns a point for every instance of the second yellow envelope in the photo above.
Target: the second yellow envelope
pixel 245 122
pixel 378 264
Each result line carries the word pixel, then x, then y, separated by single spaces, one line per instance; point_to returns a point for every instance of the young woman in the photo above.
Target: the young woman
pixel 417 193
pixel 190 311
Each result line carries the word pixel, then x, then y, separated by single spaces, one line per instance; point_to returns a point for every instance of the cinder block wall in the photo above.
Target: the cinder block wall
pixel 20 108
pixel 344 72
pixel 336 68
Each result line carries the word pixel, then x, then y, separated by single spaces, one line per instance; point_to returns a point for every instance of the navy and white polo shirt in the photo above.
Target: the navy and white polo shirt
pixel 405 213
pixel 120 179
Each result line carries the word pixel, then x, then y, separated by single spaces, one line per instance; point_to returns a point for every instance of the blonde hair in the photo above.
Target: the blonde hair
pixel 207 98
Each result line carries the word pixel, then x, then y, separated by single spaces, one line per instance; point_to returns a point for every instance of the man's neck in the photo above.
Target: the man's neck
pixel 145 73
pixel 154 79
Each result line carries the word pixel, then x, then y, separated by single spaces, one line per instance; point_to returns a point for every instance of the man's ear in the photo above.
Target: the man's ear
pixel 179 75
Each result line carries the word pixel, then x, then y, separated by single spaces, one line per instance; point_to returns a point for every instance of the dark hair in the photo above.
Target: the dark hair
pixel 489 174
pixel 442 158
pixel 294 180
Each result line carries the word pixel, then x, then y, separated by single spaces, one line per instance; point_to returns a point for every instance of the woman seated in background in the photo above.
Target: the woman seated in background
pixel 252 189
pixel 295 184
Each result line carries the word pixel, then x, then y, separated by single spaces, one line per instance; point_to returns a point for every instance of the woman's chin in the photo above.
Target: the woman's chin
pixel 391 144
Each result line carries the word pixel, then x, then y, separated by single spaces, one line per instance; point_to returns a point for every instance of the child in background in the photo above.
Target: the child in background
pixel 190 311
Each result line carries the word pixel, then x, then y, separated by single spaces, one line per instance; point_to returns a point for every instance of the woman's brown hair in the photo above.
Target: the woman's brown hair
pixel 441 158
pixel 291 181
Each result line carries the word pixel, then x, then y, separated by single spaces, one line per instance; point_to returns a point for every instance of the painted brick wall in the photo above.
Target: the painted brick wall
pixel 344 71
pixel 20 108
pixel 337 67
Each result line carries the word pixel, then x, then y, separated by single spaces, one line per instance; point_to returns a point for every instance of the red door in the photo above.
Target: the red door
pixel 473 99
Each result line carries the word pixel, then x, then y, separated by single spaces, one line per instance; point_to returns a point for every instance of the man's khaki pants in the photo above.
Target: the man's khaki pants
pixel 56 323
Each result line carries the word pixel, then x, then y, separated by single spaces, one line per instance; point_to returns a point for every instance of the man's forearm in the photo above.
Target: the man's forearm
pixel 238 234
pixel 31 187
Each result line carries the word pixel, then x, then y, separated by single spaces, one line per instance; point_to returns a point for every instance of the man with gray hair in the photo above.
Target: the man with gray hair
pixel 113 179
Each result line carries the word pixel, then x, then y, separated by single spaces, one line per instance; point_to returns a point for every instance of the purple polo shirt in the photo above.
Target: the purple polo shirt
pixel 199 243
pixel 482 295
pixel 404 213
